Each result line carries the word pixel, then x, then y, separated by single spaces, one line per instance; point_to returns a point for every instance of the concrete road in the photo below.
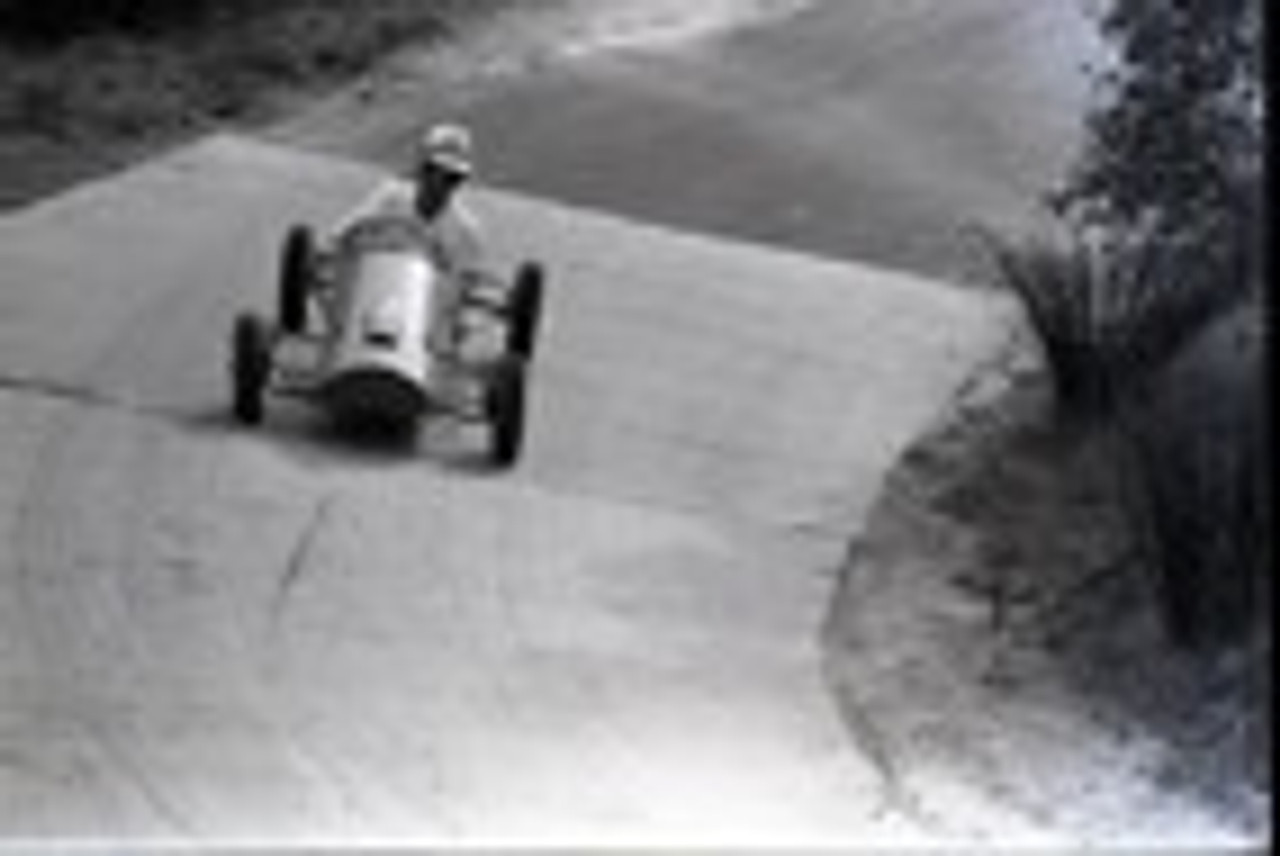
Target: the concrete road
pixel 208 632
pixel 874 130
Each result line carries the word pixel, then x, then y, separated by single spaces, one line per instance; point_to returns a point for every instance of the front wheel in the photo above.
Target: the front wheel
pixel 525 312
pixel 506 400
pixel 297 269
pixel 250 368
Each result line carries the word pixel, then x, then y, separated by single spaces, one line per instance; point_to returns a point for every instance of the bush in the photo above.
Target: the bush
pixel 1174 148
pixel 1135 348
pixel 1167 228
pixel 1106 316
pixel 1195 446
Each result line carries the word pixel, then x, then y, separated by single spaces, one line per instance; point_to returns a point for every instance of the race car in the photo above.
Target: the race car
pixel 370 328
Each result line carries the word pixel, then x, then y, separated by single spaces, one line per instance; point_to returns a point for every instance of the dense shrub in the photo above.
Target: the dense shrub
pixel 1107 315
pixel 1167 227
pixel 1196 449
pixel 1174 151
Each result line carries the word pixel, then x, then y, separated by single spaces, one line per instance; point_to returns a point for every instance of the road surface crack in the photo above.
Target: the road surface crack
pixel 133 769
pixel 299 559
pixel 73 393
pixel 58 390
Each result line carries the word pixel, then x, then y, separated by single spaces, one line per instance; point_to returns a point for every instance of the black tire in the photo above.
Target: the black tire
pixel 525 310
pixel 250 368
pixel 297 267
pixel 506 397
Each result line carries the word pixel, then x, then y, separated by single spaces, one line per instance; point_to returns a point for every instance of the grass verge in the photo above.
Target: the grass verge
pixel 94 102
pixel 1130 340
pixel 994 625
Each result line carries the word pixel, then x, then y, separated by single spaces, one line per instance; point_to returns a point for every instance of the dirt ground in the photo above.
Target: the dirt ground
pixel 994 627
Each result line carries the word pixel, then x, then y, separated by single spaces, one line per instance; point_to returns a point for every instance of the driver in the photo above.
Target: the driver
pixel 448 231
pixel 443 165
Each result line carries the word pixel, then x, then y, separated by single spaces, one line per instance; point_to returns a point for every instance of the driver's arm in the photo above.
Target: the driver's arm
pixel 386 198
pixel 465 250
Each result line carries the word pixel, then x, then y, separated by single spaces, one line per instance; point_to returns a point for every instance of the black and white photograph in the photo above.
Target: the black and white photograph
pixel 519 426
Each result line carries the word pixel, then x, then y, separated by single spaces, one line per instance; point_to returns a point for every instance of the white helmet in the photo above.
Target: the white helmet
pixel 447 147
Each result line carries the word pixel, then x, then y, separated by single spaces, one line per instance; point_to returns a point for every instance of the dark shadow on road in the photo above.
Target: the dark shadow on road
pixel 316 439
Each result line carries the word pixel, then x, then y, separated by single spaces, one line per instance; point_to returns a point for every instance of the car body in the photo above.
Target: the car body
pixel 372 330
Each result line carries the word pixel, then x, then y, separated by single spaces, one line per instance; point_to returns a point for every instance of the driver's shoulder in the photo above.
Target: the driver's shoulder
pixel 395 200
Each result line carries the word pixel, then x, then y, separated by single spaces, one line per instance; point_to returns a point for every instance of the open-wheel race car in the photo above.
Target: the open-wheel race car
pixel 369 327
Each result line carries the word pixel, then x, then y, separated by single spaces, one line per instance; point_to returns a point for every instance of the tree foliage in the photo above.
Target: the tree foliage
pixel 1174 154
pixel 1167 231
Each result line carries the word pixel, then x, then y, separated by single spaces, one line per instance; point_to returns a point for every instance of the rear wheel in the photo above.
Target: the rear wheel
pixel 297 267
pixel 525 313
pixel 506 402
pixel 250 368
